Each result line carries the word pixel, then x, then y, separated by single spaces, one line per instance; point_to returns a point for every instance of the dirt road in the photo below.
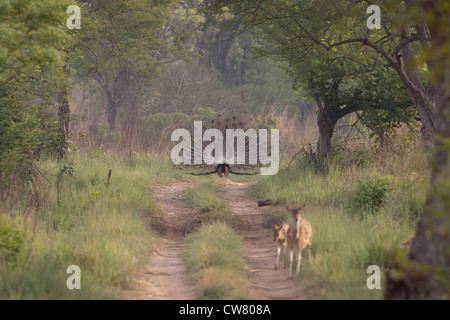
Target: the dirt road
pixel 257 235
pixel 164 276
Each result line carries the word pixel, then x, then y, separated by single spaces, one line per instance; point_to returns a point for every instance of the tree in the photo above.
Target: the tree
pixel 340 88
pixel 340 80
pixel 426 273
pixel 218 43
pixel 123 45
pixel 297 27
pixel 386 104
pixel 329 81
pixel 31 60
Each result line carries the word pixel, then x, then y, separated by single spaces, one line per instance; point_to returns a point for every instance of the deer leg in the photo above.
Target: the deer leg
pixel 299 259
pixel 291 257
pixel 278 256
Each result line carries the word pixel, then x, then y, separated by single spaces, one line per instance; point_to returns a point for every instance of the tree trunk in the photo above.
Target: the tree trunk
pixel 425 107
pixel 116 87
pixel 330 112
pixel 64 113
pixel 423 32
pixel 111 113
pixel 326 124
pixel 426 274
pixel 223 48
pixel 421 97
pixel 133 110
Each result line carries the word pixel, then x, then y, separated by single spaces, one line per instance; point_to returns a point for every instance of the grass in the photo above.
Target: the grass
pixel 215 256
pixel 89 224
pixel 81 220
pixel 343 247
pixel 215 260
pixel 346 240
pixel 204 198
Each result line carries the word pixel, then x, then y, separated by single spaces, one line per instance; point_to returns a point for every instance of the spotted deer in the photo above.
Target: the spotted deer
pixel 280 236
pixel 299 236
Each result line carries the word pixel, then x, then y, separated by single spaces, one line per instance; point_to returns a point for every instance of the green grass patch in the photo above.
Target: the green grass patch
pixel 357 221
pixel 104 228
pixel 204 198
pixel 343 246
pixel 215 260
pixel 215 256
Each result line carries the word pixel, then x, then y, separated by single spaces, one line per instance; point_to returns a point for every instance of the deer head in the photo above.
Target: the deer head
pixel 296 212
pixel 277 234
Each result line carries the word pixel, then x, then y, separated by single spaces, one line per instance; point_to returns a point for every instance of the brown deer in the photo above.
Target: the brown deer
pixel 299 236
pixel 407 244
pixel 280 236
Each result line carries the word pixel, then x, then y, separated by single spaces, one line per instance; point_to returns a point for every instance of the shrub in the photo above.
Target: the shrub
pixel 25 134
pixel 370 194
pixel 13 236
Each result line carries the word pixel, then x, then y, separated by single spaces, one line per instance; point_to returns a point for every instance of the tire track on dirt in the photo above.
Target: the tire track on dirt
pixel 164 276
pixel 256 232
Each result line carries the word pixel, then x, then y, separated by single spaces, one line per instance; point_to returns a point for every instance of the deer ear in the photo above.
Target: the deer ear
pixel 275 226
pixel 303 207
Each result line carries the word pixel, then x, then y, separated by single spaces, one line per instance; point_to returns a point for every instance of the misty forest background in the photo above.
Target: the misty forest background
pixel 364 135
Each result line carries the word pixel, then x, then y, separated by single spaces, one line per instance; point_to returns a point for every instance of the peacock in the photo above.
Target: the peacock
pixel 208 151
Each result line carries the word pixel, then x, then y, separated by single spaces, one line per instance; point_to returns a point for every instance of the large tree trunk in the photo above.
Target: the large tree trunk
pixel 426 274
pixel 326 124
pixel 330 111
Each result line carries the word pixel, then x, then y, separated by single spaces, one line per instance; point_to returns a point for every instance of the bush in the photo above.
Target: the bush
pixel 370 194
pixel 25 134
pixel 13 236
